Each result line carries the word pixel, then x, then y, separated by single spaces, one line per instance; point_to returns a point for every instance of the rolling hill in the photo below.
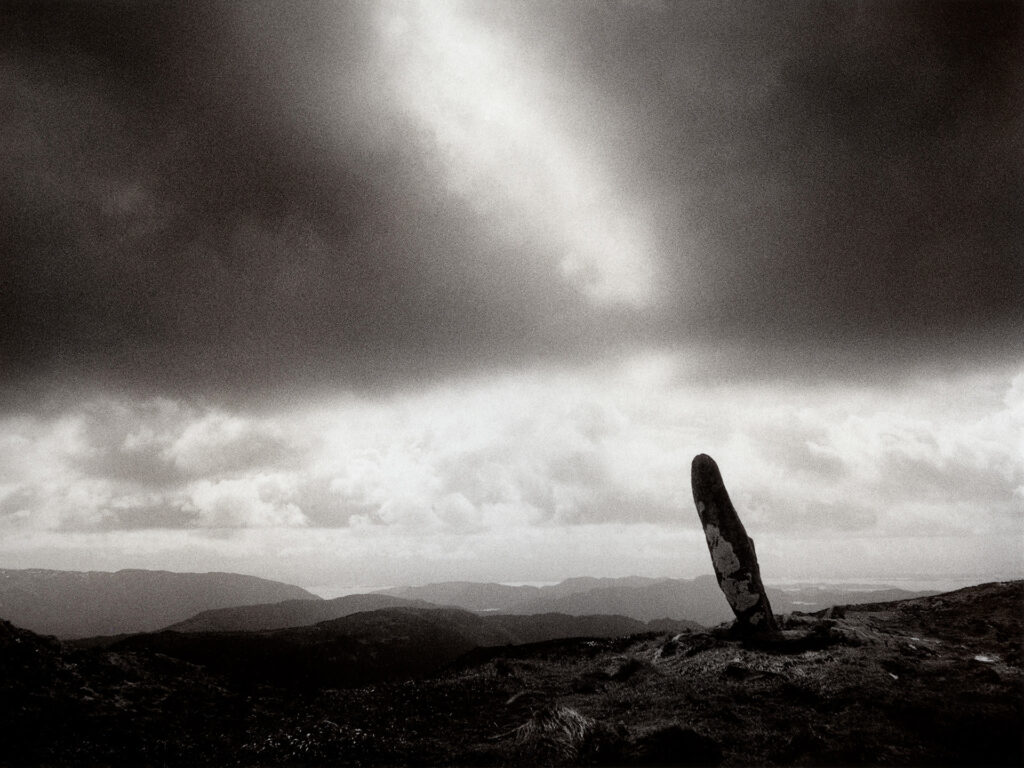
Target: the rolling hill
pixel 366 647
pixel 72 604
pixel 289 613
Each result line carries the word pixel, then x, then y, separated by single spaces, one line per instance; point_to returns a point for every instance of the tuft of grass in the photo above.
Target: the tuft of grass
pixel 554 733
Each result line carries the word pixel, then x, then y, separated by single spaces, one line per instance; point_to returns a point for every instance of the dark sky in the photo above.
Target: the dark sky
pixel 225 199
pixel 371 293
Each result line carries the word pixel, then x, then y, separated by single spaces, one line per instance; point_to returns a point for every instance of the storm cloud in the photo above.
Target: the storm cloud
pixel 248 198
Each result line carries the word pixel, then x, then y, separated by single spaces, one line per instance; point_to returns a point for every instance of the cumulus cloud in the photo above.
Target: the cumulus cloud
pixel 218 442
pixel 257 501
pixel 121 465
pixel 548 454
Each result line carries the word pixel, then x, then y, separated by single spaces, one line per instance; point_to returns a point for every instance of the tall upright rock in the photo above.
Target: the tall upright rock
pixel 732 551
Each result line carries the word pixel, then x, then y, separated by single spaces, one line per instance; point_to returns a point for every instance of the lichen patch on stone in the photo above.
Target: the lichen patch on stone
pixel 738 592
pixel 722 554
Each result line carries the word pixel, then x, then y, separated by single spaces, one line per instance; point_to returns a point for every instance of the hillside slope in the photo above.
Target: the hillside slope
pixel 363 648
pixel 289 613
pixel 366 647
pixel 85 603
pixel 929 681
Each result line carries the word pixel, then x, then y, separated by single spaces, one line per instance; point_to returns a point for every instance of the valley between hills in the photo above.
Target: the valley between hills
pixel 930 680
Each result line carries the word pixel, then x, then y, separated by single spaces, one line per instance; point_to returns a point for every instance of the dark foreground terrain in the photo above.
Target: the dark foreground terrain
pixel 929 681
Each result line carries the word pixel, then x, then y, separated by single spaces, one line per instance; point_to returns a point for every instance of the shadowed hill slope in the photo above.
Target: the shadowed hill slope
pixel 354 650
pixel 540 627
pixel 365 647
pixel 289 613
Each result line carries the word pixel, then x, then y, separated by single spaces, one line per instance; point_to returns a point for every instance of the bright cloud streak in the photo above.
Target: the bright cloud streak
pixel 510 151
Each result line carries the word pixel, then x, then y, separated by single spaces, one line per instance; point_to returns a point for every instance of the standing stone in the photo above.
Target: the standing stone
pixel 732 551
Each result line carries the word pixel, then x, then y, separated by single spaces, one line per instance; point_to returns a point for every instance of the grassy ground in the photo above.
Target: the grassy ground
pixel 933 681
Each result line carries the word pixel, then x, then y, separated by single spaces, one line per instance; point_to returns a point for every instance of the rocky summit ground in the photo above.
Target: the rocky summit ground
pixel 930 681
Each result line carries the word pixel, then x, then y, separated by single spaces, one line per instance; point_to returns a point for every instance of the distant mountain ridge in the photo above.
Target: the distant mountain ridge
pixel 699 600
pixel 470 595
pixel 85 603
pixel 76 604
pixel 640 599
pixel 543 625
pixel 694 602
